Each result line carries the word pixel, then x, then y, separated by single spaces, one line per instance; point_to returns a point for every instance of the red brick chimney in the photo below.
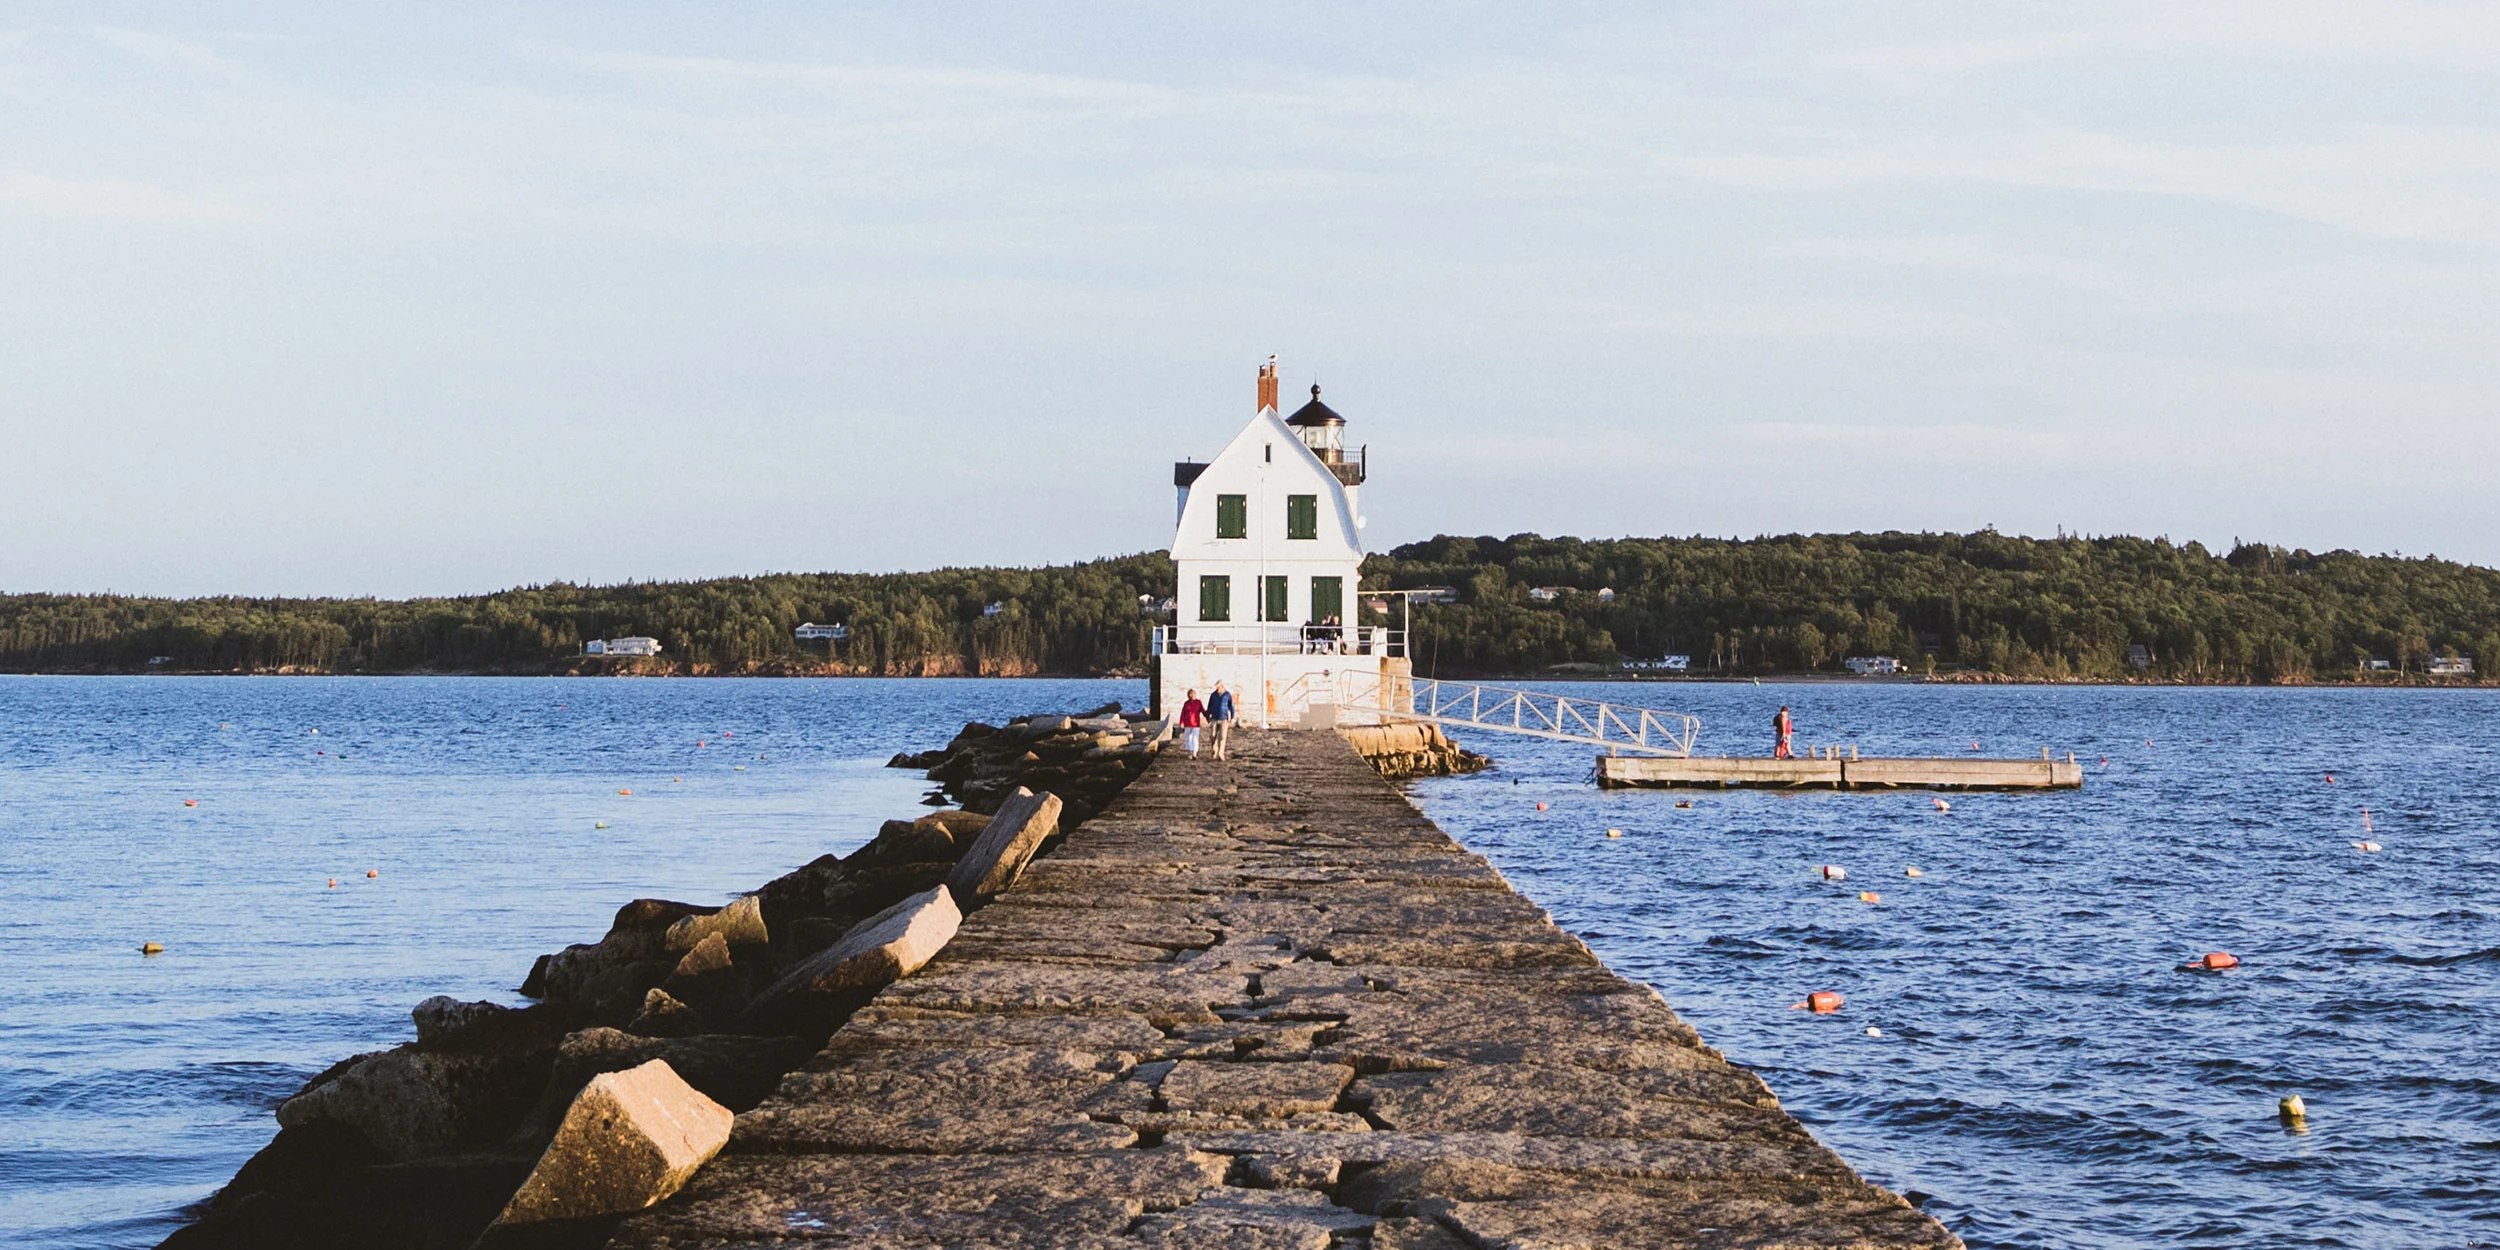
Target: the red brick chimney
pixel 1267 384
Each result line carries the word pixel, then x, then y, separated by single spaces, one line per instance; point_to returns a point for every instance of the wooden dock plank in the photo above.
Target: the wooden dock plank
pixel 1625 771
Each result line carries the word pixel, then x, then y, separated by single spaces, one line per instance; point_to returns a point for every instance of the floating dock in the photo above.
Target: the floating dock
pixel 1264 1002
pixel 1835 772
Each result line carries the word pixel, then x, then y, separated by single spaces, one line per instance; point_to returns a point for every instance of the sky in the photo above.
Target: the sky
pixel 442 298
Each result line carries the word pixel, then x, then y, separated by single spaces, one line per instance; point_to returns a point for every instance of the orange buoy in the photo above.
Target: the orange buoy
pixel 2214 962
pixel 1540 807
pixel 2330 779
pixel 1869 896
pixel 190 802
pixel 371 873
pixel 1822 1002
pixel 625 792
pixel 334 883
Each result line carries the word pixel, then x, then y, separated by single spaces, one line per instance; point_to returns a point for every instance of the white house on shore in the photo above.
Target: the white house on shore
pixel 1268 548
pixel 621 646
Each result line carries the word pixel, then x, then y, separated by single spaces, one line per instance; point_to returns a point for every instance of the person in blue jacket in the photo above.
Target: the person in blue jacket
pixel 1220 712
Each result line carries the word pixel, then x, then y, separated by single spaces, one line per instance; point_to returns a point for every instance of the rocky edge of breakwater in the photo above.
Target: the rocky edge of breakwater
pixel 421 1146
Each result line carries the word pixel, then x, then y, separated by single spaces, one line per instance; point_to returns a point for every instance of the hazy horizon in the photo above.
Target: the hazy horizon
pixel 406 301
pixel 2214 550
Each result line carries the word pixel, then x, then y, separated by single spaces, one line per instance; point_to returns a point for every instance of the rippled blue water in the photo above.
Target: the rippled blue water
pixel 132 1086
pixel 2044 1073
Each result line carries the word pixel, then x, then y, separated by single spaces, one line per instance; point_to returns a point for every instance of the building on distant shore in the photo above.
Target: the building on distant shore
pixel 2452 666
pixel 2378 664
pixel 2139 657
pixel 1664 663
pixel 1268 552
pixel 1548 594
pixel 622 646
pixel 813 632
pixel 1873 665
pixel 1433 594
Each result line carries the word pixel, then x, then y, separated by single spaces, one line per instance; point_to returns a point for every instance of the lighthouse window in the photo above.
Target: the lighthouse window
pixel 1301 516
pixel 1215 598
pixel 1232 516
pixel 1327 598
pixel 1274 608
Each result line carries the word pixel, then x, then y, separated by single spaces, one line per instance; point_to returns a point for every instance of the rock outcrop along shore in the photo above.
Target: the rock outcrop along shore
pixel 423 1144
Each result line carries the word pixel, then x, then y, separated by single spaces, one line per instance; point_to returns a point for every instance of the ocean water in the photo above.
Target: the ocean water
pixel 2046 1074
pixel 132 1086
pixel 2046 1077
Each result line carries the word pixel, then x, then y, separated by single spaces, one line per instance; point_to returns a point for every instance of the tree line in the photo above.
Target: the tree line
pixel 1989 604
pixel 1082 618
pixel 2066 608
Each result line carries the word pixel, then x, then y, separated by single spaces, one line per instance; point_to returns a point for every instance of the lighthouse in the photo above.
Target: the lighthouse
pixel 1267 543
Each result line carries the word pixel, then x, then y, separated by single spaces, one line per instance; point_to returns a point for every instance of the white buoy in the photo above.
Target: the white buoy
pixel 1834 872
pixel 1614 833
pixel 1872 1031
pixel 1912 872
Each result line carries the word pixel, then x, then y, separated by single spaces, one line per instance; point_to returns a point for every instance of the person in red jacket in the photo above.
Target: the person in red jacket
pixel 1193 714
pixel 1783 725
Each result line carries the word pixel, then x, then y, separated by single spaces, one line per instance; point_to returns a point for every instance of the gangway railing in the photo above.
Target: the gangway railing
pixel 1465 705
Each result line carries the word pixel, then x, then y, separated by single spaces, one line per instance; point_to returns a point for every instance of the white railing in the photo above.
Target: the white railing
pixel 1278 638
pixel 1465 705
pixel 1641 730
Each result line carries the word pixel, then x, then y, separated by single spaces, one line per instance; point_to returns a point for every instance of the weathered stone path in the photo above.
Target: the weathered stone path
pixel 1266 1003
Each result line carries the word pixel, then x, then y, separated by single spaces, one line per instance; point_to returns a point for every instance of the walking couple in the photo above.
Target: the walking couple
pixel 1218 708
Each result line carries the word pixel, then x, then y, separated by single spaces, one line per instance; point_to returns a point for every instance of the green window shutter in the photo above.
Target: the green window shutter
pixel 1327 597
pixel 1215 598
pixel 1275 598
pixel 1232 516
pixel 1301 516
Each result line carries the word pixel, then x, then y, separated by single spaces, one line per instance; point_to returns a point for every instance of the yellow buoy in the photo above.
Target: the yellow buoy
pixel 150 948
pixel 1869 896
pixel 1614 833
pixel 600 825
pixel 1911 872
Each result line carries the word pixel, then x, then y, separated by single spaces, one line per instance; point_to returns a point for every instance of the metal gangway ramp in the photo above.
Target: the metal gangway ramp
pixel 1618 729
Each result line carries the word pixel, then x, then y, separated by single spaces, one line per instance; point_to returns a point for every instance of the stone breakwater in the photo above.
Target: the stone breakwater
pixel 1266 1003
pixel 424 1144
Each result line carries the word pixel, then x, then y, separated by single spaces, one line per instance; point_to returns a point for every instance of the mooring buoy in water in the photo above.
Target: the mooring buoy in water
pixel 1872 1031
pixel 1540 807
pixel 190 802
pixel 1869 896
pixel 2213 962
pixel 1614 833
pixel 1911 872
pixel 150 948
pixel 599 824
pixel 371 873
pixel 2366 847
pixel 334 883
pixel 1820 1002
pixel 1943 806
pixel 1834 872
pixel 2293 1112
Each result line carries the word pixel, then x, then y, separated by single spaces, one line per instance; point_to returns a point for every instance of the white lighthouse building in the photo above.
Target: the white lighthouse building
pixel 1269 551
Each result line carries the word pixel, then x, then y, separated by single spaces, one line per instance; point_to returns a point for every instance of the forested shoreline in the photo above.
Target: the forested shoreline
pixel 1969 606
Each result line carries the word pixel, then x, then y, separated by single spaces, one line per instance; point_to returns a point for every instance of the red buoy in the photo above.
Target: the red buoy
pixel 2215 962
pixel 1822 1002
